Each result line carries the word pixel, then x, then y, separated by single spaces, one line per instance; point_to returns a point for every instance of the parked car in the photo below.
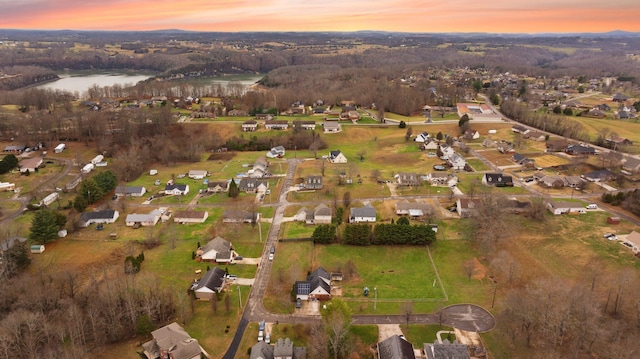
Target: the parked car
pixel 100 227
pixel 298 303
pixel 592 206
pixel 238 258
pixel 270 256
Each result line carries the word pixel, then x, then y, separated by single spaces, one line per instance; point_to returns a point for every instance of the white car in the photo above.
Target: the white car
pixel 270 256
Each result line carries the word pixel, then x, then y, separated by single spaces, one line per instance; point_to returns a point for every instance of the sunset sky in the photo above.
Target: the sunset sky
pixel 497 16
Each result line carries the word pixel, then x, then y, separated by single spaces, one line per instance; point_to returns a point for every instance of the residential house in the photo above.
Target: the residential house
pixel 395 347
pixel 331 127
pixel 467 207
pixel 261 350
pixel 446 350
pixel 556 145
pixel 523 160
pixel 132 191
pixel 441 179
pixel 505 147
pixel 633 240
pixel 595 113
pixel 217 250
pixel 631 165
pixel 176 189
pixel 362 214
pixel 306 124
pixel 580 150
pixel 145 220
pixel 560 207
pixel 321 214
pixel 253 185
pixel 619 97
pixel 218 186
pixel 316 287
pixel 284 349
pixel 446 150
pixel 413 209
pixel 536 136
pixel 487 142
pixel 430 144
pixel 318 111
pixel 276 125
pixel 264 116
pixel 297 108
pixel 249 126
pixel 30 164
pixel 552 182
pixel 237 113
pixel 616 142
pixel 519 129
pixel 276 152
pixel 211 283
pixel 260 168
pixel 172 341
pixel 313 182
pixel 240 216
pixel 17 149
pixel 573 181
pixel 497 179
pixel 197 174
pixel 422 137
pixel 407 179
pixel 105 216
pixel 190 216
pixel 599 176
pixel 7 186
pixel 456 162
pixel 471 135
pixel 337 157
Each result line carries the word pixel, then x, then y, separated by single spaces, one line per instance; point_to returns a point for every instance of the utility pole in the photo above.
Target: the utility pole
pixel 260 230
pixel 375 297
pixel 239 298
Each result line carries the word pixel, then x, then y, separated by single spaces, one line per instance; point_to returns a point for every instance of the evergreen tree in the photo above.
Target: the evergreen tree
pixel 44 227
pixel 234 191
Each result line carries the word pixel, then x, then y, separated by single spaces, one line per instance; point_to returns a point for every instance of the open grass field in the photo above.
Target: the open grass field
pixel 546 161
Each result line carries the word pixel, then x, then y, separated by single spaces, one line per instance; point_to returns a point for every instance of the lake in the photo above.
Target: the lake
pixel 81 81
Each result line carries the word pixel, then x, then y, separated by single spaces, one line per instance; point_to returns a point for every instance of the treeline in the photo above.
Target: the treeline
pixel 8 163
pixel 629 200
pixel 21 76
pixel 560 125
pixel 388 234
pixel 301 140
pixel 71 315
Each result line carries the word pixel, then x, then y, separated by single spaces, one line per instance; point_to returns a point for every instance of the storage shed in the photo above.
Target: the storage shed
pixel 37 248
pixel 613 220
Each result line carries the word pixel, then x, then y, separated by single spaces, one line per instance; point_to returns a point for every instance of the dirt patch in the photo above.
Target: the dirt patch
pixel 479 270
pixel 221 156
pixel 388 330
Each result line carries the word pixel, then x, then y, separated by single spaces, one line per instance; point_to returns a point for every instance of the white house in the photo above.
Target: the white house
pixel 106 216
pixel 145 220
pixel 30 164
pixel 197 174
pixel 50 199
pixel 456 161
pixel 558 207
pixel 97 159
pixel 362 214
pixel 59 148
pixel 87 168
pixel 190 216
pixel 133 191
pixel 276 152
pixel 176 189
pixel 337 157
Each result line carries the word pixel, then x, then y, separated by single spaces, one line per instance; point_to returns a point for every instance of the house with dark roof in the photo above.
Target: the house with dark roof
pixel 172 341
pixel 316 287
pixel 15 149
pixel 284 349
pixel 519 129
pixel 261 350
pixel 190 216
pixel 395 347
pixel 217 250
pixel 523 160
pixel 218 186
pixel 580 150
pixel 337 157
pixel 249 126
pixel 132 191
pixel 497 179
pixel 105 216
pixel 599 176
pixel 362 214
pixel 276 125
pixel 176 189
pixel 446 350
pixel 253 185
pixel 619 97
pixel 211 283
pixel 313 182
pixel 535 136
